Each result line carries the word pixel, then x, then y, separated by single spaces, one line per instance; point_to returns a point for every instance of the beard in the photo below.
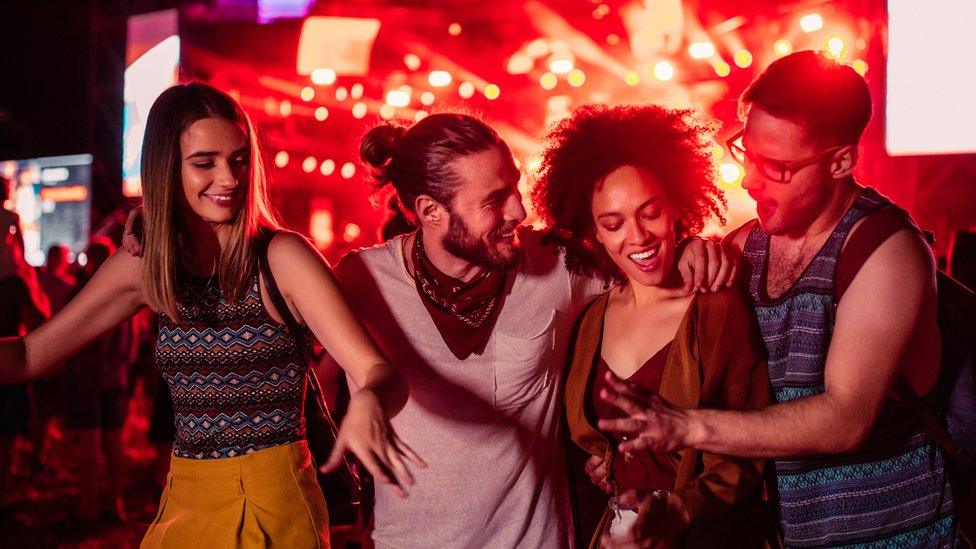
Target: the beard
pixel 460 243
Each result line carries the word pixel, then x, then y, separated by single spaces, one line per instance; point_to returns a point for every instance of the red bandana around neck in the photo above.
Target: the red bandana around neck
pixel 463 312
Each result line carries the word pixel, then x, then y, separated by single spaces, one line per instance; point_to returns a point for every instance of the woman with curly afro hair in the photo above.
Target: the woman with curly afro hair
pixel 619 188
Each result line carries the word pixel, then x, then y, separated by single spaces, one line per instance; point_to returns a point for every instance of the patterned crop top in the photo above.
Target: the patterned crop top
pixel 237 376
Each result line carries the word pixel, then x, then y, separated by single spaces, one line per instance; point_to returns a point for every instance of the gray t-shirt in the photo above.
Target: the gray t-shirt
pixel 488 426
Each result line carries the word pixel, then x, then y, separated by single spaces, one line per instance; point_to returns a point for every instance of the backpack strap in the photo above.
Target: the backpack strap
pixel 869 235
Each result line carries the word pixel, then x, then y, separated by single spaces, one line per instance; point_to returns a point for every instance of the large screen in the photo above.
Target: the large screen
pixel 52 196
pixel 151 65
pixel 931 77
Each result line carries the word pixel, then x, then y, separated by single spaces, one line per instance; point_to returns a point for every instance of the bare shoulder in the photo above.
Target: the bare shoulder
pixel 903 254
pixel 289 248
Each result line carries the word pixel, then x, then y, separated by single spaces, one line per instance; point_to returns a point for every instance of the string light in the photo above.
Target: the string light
pixel 323 77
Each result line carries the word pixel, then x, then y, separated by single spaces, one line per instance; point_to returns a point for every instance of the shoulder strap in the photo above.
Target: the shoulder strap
pixel 274 293
pixel 871 233
pixel 932 425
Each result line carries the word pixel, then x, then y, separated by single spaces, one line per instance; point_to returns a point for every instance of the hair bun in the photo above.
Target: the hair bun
pixel 379 145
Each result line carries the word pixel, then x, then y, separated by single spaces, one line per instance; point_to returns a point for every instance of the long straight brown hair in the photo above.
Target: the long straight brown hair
pixel 165 241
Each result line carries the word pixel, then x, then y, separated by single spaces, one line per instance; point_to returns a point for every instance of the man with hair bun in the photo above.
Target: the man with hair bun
pixel 476 313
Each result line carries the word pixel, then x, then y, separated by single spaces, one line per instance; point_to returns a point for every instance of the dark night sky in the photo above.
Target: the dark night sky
pixel 44 82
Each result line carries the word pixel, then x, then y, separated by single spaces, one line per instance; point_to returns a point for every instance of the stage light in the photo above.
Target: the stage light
pixel 323 77
pixel 722 69
pixel 632 78
pixel 420 116
pixel 861 66
pixel 601 11
pixel 270 106
pixel 811 22
pixel 718 151
pixel 320 227
pixel 427 98
pixel 281 159
pixel 701 50
pixel 356 91
pixel 492 91
pixel 613 39
pixel 397 98
pixel 663 71
pixel 782 47
pixel 454 29
pixel 466 90
pixel 560 66
pixel 308 165
pixel 439 79
pixel 328 167
pixel 576 78
pixel 548 81
pixel 321 113
pixel 342 93
pixel 742 58
pixel 348 170
pixel 411 61
pixel 387 112
pixel 534 165
pixel 730 172
pixel 537 48
pixel 835 46
pixel 519 63
pixel 236 94
pixel 308 93
pixel 351 232
pixel 284 107
pixel 359 110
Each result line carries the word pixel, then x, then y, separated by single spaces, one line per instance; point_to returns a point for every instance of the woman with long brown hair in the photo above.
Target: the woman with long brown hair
pixel 241 472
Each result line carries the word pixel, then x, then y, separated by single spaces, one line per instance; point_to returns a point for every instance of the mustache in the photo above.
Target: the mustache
pixel 504 229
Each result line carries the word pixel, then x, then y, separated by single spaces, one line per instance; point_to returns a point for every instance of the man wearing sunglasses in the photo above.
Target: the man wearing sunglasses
pixel 853 464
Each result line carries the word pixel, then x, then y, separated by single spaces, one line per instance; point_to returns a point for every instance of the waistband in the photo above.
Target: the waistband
pixel 286 456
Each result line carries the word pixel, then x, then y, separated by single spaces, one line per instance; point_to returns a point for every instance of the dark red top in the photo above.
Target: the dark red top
pixel 643 470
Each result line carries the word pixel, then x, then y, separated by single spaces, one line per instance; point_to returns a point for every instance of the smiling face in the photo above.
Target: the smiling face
pixel 486 210
pixel 214 169
pixel 635 223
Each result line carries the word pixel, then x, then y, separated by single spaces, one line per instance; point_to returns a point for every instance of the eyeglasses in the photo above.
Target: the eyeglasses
pixel 779 171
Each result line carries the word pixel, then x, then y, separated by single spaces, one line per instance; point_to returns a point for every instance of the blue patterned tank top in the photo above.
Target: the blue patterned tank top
pixel 892 492
pixel 237 377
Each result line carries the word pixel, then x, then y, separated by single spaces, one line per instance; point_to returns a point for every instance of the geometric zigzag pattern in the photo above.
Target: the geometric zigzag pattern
pixel 895 487
pixel 236 376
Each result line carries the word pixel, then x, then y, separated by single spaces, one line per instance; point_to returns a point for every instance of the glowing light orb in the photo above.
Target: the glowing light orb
pixel 439 79
pixel 323 77
pixel 663 71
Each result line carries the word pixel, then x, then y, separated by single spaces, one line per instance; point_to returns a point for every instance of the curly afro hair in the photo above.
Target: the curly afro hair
pixel 596 140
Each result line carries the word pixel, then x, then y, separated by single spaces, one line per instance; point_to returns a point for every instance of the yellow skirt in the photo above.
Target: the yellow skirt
pixel 266 499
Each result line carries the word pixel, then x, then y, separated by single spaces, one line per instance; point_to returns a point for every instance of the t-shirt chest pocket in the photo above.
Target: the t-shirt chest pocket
pixel 521 365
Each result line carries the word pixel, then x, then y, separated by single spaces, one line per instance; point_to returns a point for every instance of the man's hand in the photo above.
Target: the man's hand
pixel 653 422
pixel 705 265
pixel 132 237
pixel 596 468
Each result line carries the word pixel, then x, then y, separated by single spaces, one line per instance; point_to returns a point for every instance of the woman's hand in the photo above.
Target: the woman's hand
pixel 652 422
pixel 367 433
pixel 705 265
pixel 132 236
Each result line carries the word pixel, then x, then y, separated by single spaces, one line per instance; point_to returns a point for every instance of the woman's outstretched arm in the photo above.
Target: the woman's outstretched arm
pixel 308 285
pixel 112 296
